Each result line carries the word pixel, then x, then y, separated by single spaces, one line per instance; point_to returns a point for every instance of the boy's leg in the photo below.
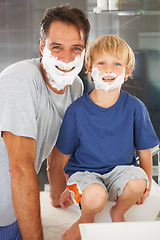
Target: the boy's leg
pixel 92 202
pixel 131 194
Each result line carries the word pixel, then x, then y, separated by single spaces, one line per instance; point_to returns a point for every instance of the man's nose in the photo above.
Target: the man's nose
pixel 67 56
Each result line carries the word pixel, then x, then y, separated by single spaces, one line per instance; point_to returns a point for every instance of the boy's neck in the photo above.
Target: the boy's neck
pixel 105 99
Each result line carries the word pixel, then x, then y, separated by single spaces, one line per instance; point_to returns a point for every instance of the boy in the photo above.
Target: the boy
pixel 99 136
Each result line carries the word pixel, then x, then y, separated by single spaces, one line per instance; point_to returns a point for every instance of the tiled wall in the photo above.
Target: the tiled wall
pixel 15 31
pixel 19 27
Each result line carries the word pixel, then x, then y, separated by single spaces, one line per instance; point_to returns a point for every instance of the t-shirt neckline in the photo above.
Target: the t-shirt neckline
pixel 105 109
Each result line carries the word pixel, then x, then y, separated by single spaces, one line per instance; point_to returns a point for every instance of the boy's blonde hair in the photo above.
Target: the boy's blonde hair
pixel 114 46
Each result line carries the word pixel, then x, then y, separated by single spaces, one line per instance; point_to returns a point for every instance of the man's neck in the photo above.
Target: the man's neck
pixel 48 83
pixel 104 99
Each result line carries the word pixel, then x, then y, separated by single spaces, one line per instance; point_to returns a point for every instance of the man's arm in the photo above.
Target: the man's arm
pixel 56 176
pixel 145 158
pixel 24 184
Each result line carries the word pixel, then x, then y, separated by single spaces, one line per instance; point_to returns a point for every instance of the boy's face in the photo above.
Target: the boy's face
pixel 108 72
pixel 107 64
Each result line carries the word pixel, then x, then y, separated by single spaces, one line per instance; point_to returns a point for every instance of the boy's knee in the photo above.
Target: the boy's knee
pixel 94 197
pixel 137 186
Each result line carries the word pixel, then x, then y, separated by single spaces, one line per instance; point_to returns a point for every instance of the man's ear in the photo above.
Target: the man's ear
pixel 88 70
pixel 41 46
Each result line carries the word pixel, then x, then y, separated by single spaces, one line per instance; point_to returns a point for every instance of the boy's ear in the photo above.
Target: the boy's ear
pixel 128 74
pixel 88 70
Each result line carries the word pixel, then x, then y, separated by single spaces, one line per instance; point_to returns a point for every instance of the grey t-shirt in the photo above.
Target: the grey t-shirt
pixel 28 107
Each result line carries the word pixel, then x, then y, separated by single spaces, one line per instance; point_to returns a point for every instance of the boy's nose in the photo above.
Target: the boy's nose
pixel 108 68
pixel 109 71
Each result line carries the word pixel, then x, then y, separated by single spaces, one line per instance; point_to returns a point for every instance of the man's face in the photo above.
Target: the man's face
pixel 64 41
pixel 62 54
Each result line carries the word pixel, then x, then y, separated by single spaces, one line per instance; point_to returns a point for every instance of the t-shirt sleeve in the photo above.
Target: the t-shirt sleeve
pixel 68 138
pixel 18 105
pixel 145 136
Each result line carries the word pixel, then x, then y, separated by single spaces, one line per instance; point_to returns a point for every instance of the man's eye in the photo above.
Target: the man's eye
pixel 77 49
pixel 56 47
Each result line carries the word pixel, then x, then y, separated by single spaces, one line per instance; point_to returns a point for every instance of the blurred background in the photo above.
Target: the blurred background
pixel 137 21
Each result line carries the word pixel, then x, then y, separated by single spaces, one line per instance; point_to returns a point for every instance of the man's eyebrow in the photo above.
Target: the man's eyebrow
pixel 54 43
pixel 78 45
pixel 59 44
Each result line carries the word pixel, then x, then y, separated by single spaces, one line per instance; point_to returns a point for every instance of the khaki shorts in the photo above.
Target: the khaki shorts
pixel 113 182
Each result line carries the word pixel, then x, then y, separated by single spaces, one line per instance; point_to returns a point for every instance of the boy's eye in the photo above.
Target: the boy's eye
pixel 118 64
pixel 101 63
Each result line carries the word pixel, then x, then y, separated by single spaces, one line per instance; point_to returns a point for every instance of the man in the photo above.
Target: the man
pixel 34 96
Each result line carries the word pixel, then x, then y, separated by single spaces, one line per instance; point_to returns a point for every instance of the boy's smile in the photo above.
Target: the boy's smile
pixel 109 77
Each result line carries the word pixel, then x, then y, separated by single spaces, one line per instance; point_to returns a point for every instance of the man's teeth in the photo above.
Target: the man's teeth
pixel 65 69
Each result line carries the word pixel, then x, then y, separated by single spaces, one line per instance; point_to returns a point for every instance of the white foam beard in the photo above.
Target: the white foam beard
pixel 57 78
pixel 107 86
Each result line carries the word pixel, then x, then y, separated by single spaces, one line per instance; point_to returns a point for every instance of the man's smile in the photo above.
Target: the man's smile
pixel 65 69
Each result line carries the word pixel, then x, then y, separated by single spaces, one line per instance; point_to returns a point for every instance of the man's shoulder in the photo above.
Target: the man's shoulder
pixel 22 74
pixel 22 67
pixel 22 77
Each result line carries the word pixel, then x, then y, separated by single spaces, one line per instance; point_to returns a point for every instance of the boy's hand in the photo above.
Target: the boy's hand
pixel 65 199
pixel 142 199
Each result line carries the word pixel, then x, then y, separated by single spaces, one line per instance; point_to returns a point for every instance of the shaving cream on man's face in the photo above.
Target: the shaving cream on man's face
pixel 107 86
pixel 61 74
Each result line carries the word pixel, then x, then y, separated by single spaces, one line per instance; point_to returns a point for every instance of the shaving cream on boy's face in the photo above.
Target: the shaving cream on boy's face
pixel 59 73
pixel 107 86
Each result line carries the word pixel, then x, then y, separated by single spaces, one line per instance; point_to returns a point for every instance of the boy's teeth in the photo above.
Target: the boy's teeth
pixel 109 78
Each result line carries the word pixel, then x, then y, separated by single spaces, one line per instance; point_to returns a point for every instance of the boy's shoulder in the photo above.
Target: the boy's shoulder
pixel 78 102
pixel 77 105
pixel 135 101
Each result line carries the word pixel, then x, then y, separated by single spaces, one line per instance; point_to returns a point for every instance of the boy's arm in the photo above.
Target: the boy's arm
pixel 56 176
pixel 66 199
pixel 145 158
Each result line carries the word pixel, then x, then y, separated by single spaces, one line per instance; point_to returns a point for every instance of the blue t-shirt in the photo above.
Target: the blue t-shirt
pixel 102 138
